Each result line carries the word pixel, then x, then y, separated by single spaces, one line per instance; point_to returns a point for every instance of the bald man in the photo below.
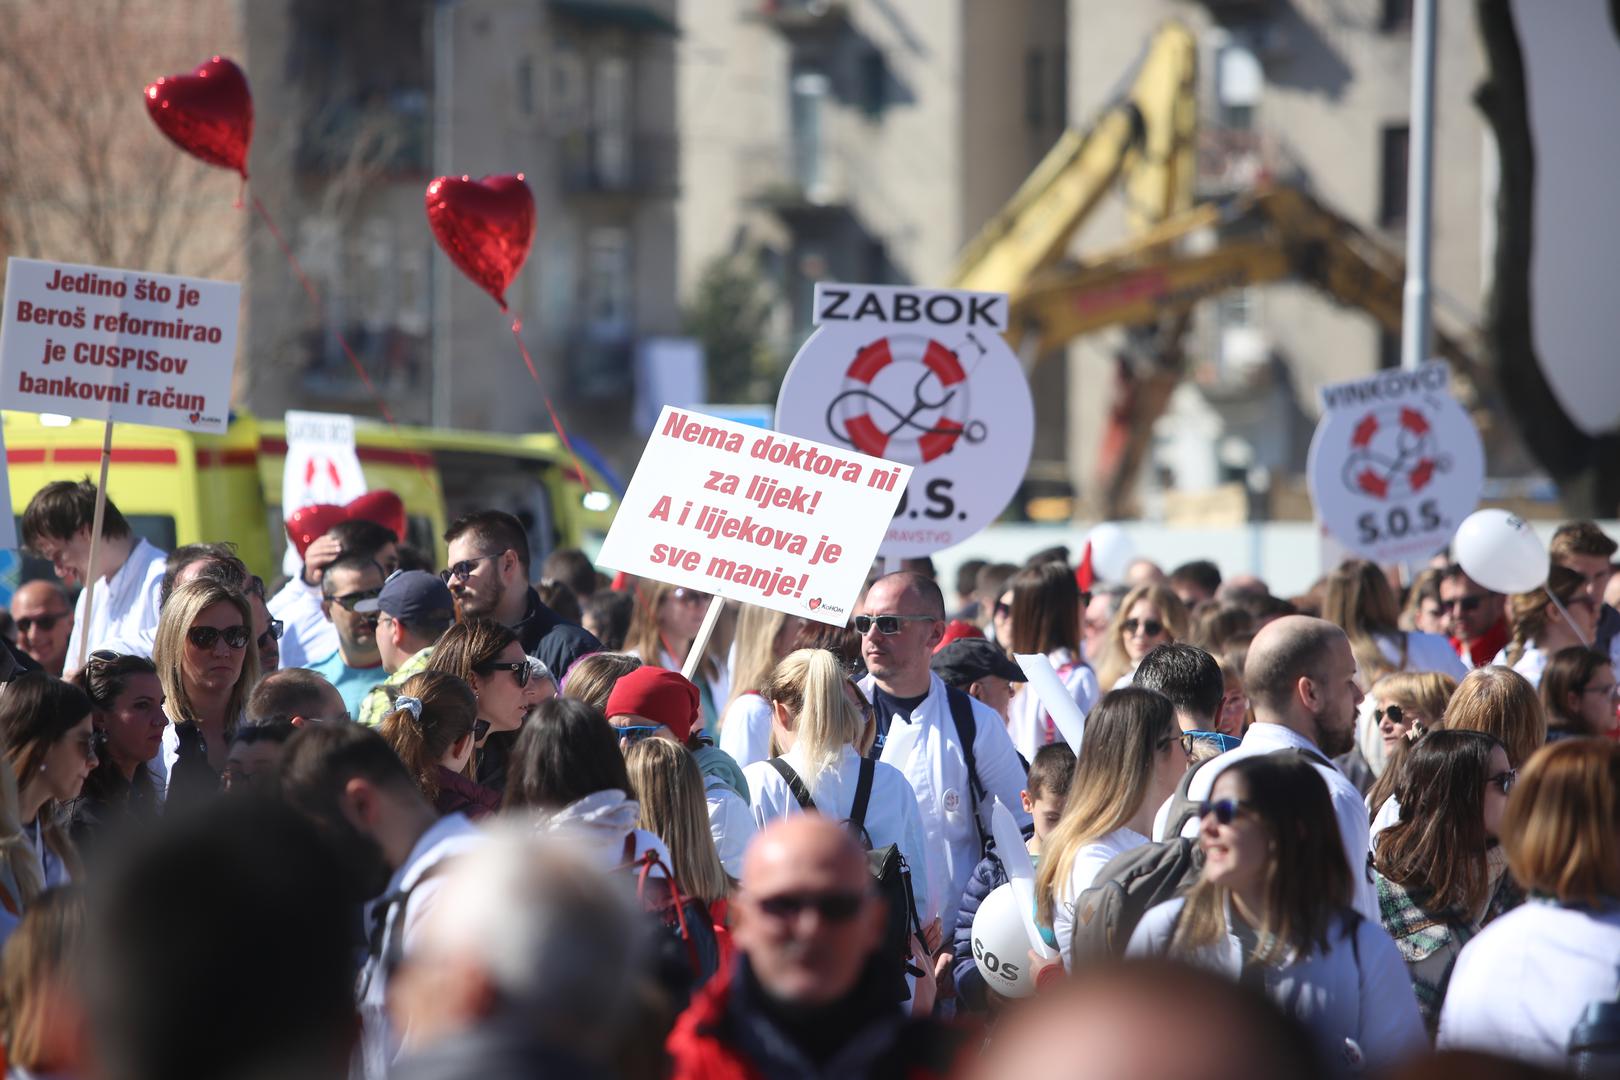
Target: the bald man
pixel 1301 679
pixel 44 623
pixel 807 994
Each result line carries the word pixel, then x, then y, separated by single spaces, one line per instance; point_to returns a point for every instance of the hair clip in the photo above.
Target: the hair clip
pixel 1416 731
pixel 412 705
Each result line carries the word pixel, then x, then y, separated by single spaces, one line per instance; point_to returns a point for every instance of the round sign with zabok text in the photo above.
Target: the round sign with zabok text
pixel 1396 464
pixel 922 377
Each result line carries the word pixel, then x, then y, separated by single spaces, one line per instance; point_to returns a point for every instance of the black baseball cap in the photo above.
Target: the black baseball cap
pixel 411 596
pixel 967 660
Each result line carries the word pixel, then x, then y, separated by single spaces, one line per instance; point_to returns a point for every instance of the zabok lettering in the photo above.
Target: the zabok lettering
pixel 896 305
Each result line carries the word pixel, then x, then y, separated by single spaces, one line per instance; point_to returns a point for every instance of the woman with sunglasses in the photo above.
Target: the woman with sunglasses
pixel 1520 987
pixel 1149 616
pixel 1272 909
pixel 1440 873
pixel 127 703
pixel 1360 602
pixel 431 728
pixel 1578 691
pixel 764 637
pixel 1540 629
pixel 489 658
pixel 1398 704
pixel 50 747
pixel 1046 619
pixel 1134 758
pixel 662 629
pixel 266 628
pixel 207 670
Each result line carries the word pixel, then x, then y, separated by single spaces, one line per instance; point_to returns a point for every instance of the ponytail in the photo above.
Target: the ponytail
pixel 809 684
pixel 432 712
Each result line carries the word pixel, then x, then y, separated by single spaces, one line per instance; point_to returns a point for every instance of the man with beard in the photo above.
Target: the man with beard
pixel 391 842
pixel 1301 680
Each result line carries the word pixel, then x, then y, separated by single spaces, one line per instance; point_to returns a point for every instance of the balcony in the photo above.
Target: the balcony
pixel 797 178
pixel 597 162
pixel 389 134
pixel 635 18
pixel 796 18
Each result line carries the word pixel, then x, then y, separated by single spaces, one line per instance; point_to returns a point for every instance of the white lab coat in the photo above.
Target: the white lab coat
pixel 925 747
pixel 1026 717
pixel 1331 993
pixel 1265 738
pixel 1088 861
pixel 1519 988
pixel 745 732
pixel 125 615
pixel 307 634
pixel 730 823
pixel 891 813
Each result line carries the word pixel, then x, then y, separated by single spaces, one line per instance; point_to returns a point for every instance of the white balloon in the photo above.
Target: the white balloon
pixel 1000 946
pixel 1501 552
pixel 1111 551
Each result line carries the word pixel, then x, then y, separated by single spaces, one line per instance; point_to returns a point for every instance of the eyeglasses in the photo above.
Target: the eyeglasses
pixel 520 670
pixel 1225 810
pixel 690 596
pixel 1150 627
pixel 1504 781
pixel 271 633
pixel 1394 712
pixel 1168 741
pixel 46 623
pixel 204 637
pixel 1003 609
pixel 464 569
pixel 1610 691
pixel 888 625
pixel 1223 743
pixel 834 907
pixel 1462 603
pixel 634 733
pixel 348 600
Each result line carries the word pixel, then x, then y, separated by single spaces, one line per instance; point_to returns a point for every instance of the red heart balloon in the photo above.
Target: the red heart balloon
pixel 485 226
pixel 208 113
pixel 309 523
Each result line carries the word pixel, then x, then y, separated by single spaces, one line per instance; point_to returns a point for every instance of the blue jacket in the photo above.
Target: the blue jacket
pixel 987 876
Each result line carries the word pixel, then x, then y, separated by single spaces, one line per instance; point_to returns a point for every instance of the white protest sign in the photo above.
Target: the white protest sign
pixel 1396 464
pixel 922 377
pixel 104 344
pixel 8 531
pixel 753 516
pixel 321 464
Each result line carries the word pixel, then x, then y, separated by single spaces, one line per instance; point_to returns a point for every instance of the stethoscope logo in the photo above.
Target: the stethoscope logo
pixel 1393 453
pixel 872 412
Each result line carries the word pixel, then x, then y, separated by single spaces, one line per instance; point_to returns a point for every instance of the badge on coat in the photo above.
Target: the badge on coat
pixel 952 800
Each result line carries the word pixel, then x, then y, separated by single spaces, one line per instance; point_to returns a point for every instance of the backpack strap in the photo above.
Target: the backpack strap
pixel 1182 807
pixel 800 793
pixel 967 731
pixel 863 795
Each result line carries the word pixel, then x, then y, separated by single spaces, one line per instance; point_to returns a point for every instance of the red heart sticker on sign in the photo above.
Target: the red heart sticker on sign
pixel 485 226
pixel 815 603
pixel 194 417
pixel 309 523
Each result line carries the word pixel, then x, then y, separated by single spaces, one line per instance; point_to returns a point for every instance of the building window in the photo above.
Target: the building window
pixel 1395 16
pixel 1392 178
pixel 524 91
pixel 565 91
pixel 1239 80
pixel 1035 88
pixel 809 89
pixel 1389 350
pixel 610 107
pixel 607 283
pixel 874 82
pixel 1060 88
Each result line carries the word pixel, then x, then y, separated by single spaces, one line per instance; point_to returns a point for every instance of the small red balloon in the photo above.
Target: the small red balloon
pixel 208 113
pixel 485 226
pixel 308 524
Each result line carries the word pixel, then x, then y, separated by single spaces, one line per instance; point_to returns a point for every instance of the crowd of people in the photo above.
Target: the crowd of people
pixel 392 819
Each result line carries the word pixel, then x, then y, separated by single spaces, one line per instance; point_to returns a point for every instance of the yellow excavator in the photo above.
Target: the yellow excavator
pixel 1145 143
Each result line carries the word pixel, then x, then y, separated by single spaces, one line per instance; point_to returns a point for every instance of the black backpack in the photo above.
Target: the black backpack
pixel 686 949
pixel 888 867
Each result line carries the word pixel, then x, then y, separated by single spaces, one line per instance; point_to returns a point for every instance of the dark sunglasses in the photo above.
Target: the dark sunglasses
pixel 1462 603
pixel 272 632
pixel 888 625
pixel 634 733
pixel 348 600
pixel 1003 608
pixel 464 569
pixel 1394 712
pixel 1504 781
pixel 520 670
pixel 1225 810
pixel 835 907
pixel 1150 627
pixel 46 623
pixel 1223 743
pixel 204 637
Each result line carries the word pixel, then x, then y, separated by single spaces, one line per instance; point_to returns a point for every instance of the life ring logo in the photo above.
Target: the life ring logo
pixel 1393 454
pixel 905 397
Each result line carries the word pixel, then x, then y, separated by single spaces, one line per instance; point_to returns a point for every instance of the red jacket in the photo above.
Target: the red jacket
pixel 720 1037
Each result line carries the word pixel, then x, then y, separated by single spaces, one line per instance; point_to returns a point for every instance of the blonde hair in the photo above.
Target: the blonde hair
pixel 449 711
pixel 1111 780
pixel 21 861
pixel 592 677
pixel 757 630
pixel 1115 660
pixel 1501 702
pixel 1425 692
pixel 669 786
pixel 184 606
pixel 41 953
pixel 809 684
pixel 1527 612
pixel 1561 829
pixel 1360 602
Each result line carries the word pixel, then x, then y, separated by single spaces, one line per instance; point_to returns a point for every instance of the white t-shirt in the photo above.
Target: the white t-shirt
pixel 124 615
pixel 730 823
pixel 1088 861
pixel 1519 988
pixel 745 732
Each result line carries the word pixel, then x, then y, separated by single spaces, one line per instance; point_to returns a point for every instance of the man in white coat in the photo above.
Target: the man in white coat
pixel 902 619
pixel 1301 678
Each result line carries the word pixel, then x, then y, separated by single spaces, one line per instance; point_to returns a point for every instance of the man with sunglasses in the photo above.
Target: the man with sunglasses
pixel 923 730
pixel 44 623
pixel 355 666
pixel 807 995
pixel 1474 618
pixel 308 635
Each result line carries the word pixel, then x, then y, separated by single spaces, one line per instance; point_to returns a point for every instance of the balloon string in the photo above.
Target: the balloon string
pixel 562 433
pixel 354 361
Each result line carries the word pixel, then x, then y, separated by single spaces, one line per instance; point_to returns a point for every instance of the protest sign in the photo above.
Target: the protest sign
pixel 921 377
pixel 321 465
pixel 1396 464
pixel 758 517
pixel 118 345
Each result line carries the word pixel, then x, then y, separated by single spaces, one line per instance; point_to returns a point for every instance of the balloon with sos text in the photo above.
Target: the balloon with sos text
pixel 485 226
pixel 1000 947
pixel 1501 552
pixel 208 114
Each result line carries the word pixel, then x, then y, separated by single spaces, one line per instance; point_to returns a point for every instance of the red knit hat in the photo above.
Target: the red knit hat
pixel 662 696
